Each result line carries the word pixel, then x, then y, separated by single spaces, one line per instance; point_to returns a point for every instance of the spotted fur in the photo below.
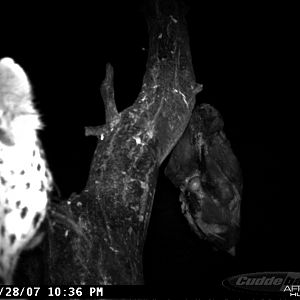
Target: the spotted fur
pixel 24 177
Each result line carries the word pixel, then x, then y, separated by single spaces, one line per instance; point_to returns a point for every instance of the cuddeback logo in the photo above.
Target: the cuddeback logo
pixel 266 282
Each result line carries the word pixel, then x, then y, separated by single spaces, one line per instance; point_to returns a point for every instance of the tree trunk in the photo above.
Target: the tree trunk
pixel 97 237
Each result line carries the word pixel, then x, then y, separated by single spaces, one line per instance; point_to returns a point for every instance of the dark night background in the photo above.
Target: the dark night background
pixel 237 56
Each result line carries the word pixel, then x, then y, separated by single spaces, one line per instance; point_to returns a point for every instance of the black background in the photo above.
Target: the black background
pixel 237 55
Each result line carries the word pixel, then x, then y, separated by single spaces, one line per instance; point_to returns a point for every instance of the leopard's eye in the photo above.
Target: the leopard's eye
pixel 194 184
pixel 5 138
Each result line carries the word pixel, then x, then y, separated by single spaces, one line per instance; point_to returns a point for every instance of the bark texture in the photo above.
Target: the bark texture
pixel 97 237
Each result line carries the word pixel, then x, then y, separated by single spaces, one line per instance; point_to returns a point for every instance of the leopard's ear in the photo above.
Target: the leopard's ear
pixel 13 77
pixel 15 88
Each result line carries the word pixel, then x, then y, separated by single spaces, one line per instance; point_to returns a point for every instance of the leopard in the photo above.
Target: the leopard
pixel 25 178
